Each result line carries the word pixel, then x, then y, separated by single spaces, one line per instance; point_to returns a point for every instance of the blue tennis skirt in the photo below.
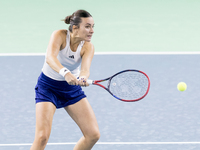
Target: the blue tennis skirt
pixel 60 93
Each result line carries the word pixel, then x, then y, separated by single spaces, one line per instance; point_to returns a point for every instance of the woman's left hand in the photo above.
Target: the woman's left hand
pixel 82 81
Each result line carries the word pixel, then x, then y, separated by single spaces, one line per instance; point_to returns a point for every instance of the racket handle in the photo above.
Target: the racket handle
pixel 89 81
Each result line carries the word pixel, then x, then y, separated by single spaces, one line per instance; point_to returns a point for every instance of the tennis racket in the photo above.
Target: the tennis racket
pixel 126 85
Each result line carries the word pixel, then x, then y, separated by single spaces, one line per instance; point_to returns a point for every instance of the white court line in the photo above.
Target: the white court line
pixel 109 53
pixel 110 143
pixel 22 54
pixel 146 53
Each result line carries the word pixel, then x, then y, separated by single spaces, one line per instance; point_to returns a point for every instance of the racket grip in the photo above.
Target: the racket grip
pixel 89 81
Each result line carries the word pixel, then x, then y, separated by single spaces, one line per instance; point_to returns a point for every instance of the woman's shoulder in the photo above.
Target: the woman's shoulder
pixel 61 32
pixel 59 36
pixel 88 44
pixel 88 47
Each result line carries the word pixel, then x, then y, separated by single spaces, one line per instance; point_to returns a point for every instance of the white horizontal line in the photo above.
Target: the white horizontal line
pixel 147 143
pixel 146 53
pixel 22 54
pixel 109 53
pixel 109 143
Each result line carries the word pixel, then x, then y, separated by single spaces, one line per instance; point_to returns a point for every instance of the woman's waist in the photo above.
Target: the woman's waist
pixel 59 85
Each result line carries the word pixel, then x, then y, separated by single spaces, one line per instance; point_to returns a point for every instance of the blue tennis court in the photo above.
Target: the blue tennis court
pixel 165 119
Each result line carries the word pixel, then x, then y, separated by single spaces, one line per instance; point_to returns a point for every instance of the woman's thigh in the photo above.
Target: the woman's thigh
pixel 83 114
pixel 44 117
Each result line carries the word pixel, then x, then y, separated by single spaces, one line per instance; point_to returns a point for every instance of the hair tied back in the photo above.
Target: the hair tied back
pixel 67 19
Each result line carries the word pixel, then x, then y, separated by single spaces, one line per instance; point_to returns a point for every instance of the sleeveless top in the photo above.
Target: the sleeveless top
pixel 69 59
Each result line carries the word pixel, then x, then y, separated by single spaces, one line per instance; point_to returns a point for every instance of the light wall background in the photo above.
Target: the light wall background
pixel 120 25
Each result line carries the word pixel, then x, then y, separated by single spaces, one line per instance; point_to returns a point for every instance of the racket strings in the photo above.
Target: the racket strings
pixel 129 85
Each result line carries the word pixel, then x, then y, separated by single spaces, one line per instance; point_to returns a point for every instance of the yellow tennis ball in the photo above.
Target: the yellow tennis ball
pixel 182 86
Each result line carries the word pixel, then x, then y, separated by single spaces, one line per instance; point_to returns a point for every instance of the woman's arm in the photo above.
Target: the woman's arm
pixel 87 54
pixel 55 44
pixel 53 49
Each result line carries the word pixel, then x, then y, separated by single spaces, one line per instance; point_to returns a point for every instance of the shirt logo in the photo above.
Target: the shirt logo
pixel 71 56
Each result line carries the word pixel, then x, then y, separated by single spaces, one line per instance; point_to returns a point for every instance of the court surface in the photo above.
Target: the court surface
pixel 165 119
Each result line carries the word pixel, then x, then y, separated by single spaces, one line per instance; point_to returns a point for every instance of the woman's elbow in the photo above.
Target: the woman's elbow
pixel 49 59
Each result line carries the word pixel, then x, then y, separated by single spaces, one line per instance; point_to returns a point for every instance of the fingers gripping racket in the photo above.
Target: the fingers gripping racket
pixel 127 85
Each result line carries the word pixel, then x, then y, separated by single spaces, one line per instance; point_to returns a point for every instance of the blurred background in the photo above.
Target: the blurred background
pixel 122 25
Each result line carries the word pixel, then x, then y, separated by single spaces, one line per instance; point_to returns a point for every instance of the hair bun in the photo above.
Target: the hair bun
pixel 67 19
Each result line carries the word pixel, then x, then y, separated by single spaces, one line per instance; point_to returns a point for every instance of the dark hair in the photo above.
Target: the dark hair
pixel 75 18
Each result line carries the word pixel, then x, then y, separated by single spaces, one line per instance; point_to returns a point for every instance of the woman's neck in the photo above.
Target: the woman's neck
pixel 74 42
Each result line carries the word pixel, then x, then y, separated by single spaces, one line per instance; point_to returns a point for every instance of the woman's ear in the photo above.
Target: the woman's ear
pixel 75 29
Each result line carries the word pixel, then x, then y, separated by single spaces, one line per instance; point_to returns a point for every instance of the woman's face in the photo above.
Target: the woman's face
pixel 86 29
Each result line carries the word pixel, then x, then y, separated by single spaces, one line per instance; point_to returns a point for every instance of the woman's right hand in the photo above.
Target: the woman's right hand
pixel 71 79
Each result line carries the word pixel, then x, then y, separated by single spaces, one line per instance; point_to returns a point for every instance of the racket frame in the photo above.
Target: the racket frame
pixel 96 82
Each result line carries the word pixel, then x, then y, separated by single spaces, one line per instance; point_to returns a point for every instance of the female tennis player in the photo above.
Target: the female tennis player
pixel 59 84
